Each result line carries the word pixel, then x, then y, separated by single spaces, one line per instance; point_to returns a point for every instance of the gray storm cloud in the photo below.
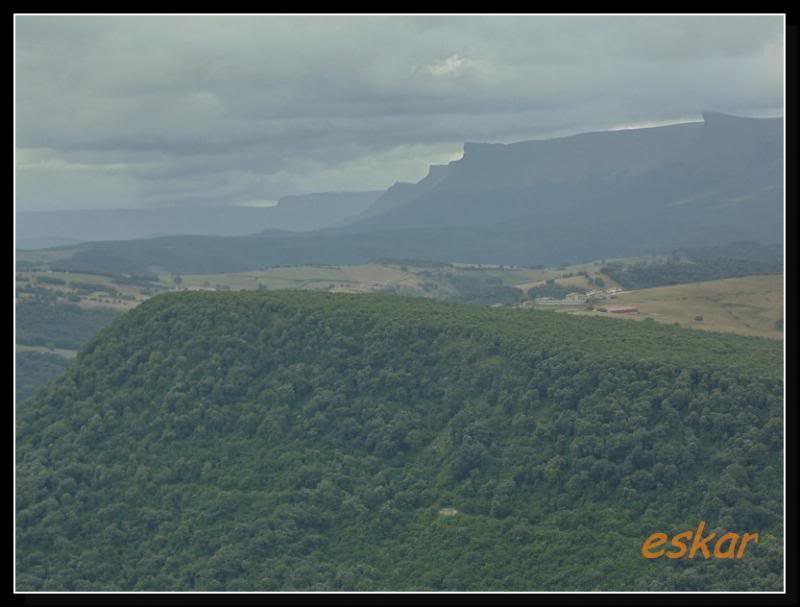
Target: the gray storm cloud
pixel 122 111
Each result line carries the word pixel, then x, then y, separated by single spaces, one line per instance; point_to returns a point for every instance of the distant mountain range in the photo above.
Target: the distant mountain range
pixel 723 171
pixel 563 200
pixel 39 229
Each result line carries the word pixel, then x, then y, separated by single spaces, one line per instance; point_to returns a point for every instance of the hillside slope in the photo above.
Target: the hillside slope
pixel 296 440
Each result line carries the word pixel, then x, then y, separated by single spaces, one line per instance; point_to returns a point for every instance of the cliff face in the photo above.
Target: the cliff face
pixel 402 193
pixel 682 173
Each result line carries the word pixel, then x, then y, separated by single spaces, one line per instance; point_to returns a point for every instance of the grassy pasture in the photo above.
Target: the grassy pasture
pixel 749 305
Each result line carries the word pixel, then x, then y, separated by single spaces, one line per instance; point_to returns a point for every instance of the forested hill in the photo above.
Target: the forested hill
pixel 298 440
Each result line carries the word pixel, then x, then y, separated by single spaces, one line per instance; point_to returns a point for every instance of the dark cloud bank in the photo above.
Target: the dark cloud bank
pixel 118 112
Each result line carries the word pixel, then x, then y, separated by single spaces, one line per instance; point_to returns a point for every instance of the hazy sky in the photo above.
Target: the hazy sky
pixel 116 111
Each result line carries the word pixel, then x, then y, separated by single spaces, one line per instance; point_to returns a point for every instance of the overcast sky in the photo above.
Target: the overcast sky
pixel 116 111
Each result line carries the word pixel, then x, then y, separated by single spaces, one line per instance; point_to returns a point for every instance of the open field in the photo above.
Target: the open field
pixel 335 278
pixel 592 267
pixel 107 302
pixel 84 290
pixel 360 278
pixel 507 275
pixel 353 278
pixel 576 280
pixel 750 305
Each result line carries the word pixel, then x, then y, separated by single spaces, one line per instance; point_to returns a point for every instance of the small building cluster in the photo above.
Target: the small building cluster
pixel 571 299
pixel 604 293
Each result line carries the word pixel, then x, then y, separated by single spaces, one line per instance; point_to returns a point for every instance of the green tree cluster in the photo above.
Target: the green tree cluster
pixel 309 441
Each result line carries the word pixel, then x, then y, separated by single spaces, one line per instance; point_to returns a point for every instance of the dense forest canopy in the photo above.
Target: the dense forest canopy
pixel 298 440
pixel 34 370
pixel 697 264
pixel 43 323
